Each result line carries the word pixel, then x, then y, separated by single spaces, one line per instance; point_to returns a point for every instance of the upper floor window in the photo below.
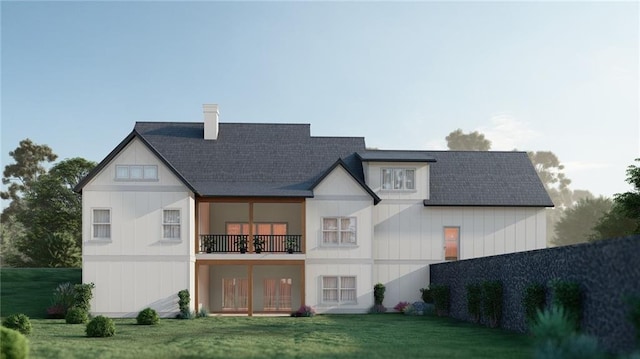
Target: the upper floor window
pixel 101 221
pixel 339 230
pixel 137 172
pixel 171 224
pixel 397 179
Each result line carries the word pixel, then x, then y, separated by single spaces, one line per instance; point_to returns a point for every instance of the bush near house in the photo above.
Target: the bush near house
pixel 13 345
pixel 147 316
pixel 82 296
pixel 400 307
pixel 441 299
pixel 474 301
pixel 304 311
pixel 569 296
pixel 76 316
pixel 492 301
pixel 426 294
pixel 100 327
pixel 184 298
pixel 19 322
pixel 533 300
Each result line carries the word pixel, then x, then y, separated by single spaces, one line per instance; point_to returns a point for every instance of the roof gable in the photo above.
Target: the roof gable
pixel 341 164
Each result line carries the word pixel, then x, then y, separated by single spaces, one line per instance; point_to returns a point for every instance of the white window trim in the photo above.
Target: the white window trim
pixel 339 230
pixel 415 175
pixel 339 289
pixel 142 179
pixel 179 224
pixel 93 223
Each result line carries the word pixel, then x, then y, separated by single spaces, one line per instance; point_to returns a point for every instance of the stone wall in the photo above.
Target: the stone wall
pixel 608 271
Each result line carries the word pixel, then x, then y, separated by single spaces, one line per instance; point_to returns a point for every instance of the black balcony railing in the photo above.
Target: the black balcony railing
pixel 239 243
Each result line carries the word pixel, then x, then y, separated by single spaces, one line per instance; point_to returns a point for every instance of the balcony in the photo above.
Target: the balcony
pixel 239 243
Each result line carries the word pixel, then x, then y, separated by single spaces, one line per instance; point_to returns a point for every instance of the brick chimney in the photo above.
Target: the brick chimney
pixel 211 114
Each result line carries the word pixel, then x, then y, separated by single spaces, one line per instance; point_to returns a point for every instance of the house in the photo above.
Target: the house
pixel 262 218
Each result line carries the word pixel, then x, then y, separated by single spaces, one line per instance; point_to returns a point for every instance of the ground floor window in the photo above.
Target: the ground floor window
pixel 277 294
pixel 451 243
pixel 339 289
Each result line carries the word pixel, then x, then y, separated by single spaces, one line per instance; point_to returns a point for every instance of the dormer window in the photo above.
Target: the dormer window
pixel 399 179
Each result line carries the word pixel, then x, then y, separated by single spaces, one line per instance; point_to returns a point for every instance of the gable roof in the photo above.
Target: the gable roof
pixel 360 182
pixel 247 159
pixel 480 178
pixel 284 160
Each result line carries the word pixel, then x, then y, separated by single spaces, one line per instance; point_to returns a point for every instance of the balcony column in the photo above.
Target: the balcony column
pixel 250 239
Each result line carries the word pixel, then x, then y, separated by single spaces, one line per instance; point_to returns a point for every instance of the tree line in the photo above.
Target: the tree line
pixel 578 216
pixel 42 225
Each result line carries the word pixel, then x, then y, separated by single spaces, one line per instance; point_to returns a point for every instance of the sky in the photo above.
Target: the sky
pixel 534 76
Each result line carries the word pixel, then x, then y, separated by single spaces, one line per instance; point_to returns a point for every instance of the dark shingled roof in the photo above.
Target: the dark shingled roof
pixel 284 160
pixel 474 178
pixel 250 159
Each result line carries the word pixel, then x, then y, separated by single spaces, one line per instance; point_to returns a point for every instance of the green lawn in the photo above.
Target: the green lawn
pixel 28 290
pixel 323 336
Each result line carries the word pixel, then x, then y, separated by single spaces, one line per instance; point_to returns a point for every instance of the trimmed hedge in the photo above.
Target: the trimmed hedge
pixel 76 316
pixel 13 345
pixel 101 326
pixel 147 316
pixel 19 322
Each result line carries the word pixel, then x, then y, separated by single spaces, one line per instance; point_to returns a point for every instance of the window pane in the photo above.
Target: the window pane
pixel 150 172
pixel 410 179
pixel 329 282
pixel 101 216
pixel 269 294
pixel 285 294
pixel 264 229
pixel 348 282
pixel 348 295
pixel 102 231
pixel 329 224
pixel 398 178
pixel 135 172
pixel 451 240
pixel 171 231
pixel 330 295
pixel 234 228
pixel 122 172
pixel 387 178
pixel 171 216
pixel 280 229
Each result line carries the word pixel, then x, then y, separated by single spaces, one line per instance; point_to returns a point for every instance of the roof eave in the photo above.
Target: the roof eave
pixel 364 186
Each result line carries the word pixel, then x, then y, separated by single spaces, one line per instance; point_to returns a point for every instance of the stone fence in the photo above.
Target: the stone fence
pixel 608 272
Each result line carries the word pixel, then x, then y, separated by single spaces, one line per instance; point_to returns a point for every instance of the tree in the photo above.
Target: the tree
pixel 624 217
pixel 577 222
pixel 28 166
pixel 473 141
pixel 549 170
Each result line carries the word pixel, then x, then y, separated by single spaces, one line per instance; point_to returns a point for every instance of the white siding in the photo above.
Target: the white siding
pixel 339 195
pixel 136 268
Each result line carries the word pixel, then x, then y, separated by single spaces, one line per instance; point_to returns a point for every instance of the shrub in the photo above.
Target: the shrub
pixel 377 309
pixel 100 327
pixel 147 316
pixel 13 345
pixel 184 298
pixel 492 301
pixel 378 293
pixel 417 308
pixel 76 316
pixel 427 296
pixel 474 301
pixel 63 299
pixel 304 311
pixel 441 298
pixel 533 299
pixel 19 322
pixel 556 337
pixel 401 306
pixel 82 296
pixel 569 296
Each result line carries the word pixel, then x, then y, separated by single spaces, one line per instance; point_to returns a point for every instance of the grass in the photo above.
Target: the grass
pixel 28 290
pixel 324 336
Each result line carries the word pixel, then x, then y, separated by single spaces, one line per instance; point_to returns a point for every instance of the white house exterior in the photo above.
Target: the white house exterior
pixel 173 205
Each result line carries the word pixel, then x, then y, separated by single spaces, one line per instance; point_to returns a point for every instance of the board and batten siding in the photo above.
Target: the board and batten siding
pixel 339 195
pixel 136 268
pixel 409 237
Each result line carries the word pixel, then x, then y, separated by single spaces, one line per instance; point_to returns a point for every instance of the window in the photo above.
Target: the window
pixel 102 223
pixel 398 179
pixel 136 172
pixel 339 289
pixel 339 230
pixel 235 294
pixel 451 243
pixel 263 229
pixel 171 224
